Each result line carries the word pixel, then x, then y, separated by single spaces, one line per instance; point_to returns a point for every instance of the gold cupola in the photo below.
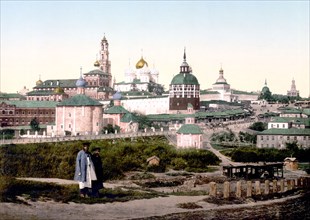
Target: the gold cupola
pixel 97 64
pixel 140 64
pixel 59 90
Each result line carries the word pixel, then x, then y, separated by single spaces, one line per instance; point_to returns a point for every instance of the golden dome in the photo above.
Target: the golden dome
pixel 39 82
pixel 141 63
pixel 59 90
pixel 97 64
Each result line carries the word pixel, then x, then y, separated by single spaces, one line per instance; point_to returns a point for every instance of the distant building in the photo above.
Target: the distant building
pixel 140 78
pixel 292 126
pixel 189 135
pixel 293 92
pixel 117 115
pixel 21 112
pixel 99 82
pixel 221 91
pixel 277 138
pixel 184 89
pixel 79 114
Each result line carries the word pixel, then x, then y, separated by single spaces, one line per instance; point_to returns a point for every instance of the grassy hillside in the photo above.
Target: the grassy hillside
pixel 57 160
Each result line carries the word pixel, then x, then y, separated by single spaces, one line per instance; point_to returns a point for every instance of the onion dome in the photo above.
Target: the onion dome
pixel 59 90
pixel 80 82
pixel 184 79
pixel 39 82
pixel 265 88
pixel 97 64
pixel 141 63
pixel 221 79
pixel 117 96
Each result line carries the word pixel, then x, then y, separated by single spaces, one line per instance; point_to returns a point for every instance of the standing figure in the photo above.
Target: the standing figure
pixel 97 184
pixel 84 170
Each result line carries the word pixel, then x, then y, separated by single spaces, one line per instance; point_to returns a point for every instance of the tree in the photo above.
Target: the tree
pixel 258 126
pixel 34 124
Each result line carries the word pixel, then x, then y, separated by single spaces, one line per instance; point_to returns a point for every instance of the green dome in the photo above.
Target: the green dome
pixel 184 78
pixel 265 89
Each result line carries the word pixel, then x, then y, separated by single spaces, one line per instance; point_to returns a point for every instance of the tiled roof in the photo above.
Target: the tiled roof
pixel 189 129
pixel 79 100
pixel 289 132
pixel 31 104
pixel 116 110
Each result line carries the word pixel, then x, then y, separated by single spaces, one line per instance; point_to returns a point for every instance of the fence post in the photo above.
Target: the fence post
pixel 274 186
pixel 257 188
pixel 289 185
pixel 238 189
pixel 266 187
pixel 249 189
pixel 281 186
pixel 226 190
pixel 212 188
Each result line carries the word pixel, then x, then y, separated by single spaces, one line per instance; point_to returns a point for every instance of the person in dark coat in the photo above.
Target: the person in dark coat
pixel 84 170
pixel 97 184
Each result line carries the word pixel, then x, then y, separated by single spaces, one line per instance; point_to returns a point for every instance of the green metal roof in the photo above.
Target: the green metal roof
pixel 234 91
pixel 203 92
pixel 291 111
pixel 184 79
pixel 128 117
pixel 41 93
pixel 189 129
pixel 202 115
pixel 11 96
pixel 306 111
pixel 79 100
pixel 96 72
pixel 305 121
pixel 287 132
pixel 31 104
pixel 116 110
pixel 136 93
pixel 54 83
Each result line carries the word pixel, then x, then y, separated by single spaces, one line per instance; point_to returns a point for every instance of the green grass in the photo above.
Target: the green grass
pixel 303 166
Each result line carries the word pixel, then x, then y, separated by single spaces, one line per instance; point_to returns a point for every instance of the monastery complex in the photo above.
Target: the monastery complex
pixel 91 102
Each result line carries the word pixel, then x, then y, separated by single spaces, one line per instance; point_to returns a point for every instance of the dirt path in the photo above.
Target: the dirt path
pixel 117 210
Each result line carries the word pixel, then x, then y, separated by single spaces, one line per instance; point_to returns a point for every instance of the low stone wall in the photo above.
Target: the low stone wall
pixel 248 188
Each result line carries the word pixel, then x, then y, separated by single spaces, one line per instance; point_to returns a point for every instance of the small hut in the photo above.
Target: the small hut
pixel 291 163
pixel 153 161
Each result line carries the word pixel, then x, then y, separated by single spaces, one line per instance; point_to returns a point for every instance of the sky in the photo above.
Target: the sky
pixel 252 41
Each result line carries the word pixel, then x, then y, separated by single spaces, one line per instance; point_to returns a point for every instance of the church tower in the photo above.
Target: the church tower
pixel 105 64
pixel 184 90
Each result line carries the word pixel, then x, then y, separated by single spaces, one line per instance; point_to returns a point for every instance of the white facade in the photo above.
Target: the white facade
pixel 146 106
